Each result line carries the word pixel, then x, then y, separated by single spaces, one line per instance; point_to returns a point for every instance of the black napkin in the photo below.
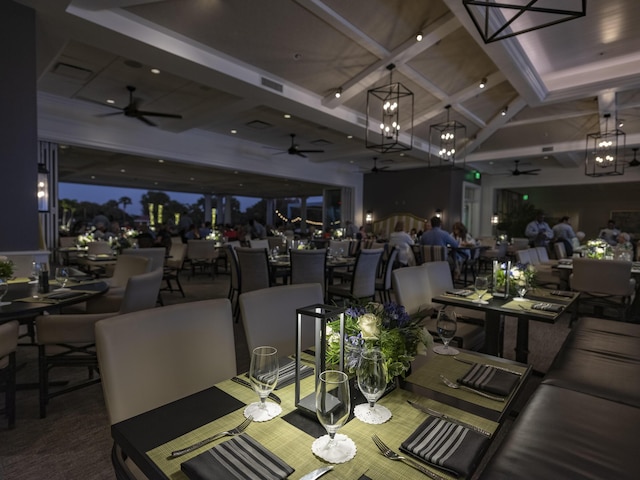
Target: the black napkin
pixel 65 295
pixel 446 445
pixel 490 379
pixel 460 293
pixel 240 458
pixel 547 307
pixel 561 293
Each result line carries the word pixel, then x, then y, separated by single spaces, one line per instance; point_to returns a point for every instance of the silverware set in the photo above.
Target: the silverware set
pixel 391 455
pixel 452 384
pixel 228 433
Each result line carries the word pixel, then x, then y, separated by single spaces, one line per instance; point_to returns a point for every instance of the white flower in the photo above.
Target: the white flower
pixel 369 326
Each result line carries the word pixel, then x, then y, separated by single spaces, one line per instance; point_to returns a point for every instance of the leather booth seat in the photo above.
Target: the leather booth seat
pixel 583 419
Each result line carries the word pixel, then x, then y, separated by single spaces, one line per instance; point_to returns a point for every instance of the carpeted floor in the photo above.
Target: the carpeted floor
pixel 74 443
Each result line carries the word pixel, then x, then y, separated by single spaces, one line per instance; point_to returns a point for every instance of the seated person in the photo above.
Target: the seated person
pixel 192 233
pixel 563 232
pixel 402 241
pixel 436 236
pixel 610 234
pixel 624 248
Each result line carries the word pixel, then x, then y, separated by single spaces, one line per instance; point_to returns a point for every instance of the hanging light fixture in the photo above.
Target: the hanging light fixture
pixel 43 188
pixel 635 162
pixel 497 20
pixel 447 137
pixel 389 112
pixel 605 151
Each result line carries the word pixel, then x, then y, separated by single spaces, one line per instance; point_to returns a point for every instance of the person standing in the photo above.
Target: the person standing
pixel 610 234
pixel 538 231
pixel 563 232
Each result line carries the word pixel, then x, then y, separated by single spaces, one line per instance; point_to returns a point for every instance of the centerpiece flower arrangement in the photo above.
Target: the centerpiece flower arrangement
pixel 386 326
pixel 84 240
pixel 599 249
pixel 6 268
pixel 519 274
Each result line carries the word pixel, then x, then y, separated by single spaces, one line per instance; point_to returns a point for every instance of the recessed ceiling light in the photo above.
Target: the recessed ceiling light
pixel 155 71
pixel 160 160
pixel 241 185
pixel 111 101
pixel 349 137
pixel 234 131
pixel 155 183
pixel 192 179
pixel 236 172
pixel 122 170
pixel 93 177
pixel 286 115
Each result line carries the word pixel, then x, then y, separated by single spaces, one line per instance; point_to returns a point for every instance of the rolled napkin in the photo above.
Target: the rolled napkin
pixel 240 458
pixel 547 307
pixel 446 445
pixel 490 379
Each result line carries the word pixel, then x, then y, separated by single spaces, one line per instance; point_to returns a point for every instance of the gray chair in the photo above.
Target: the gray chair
pixel 69 340
pixel 253 266
pixel 8 347
pixel 202 255
pixel 153 357
pixel 173 267
pixel 309 266
pixel 269 316
pixel 155 255
pixel 362 285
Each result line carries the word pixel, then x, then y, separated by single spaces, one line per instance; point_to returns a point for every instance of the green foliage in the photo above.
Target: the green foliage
pixel 515 222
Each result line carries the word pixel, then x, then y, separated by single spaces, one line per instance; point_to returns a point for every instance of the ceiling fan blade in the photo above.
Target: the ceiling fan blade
pixel 299 153
pixel 111 114
pixel 310 151
pixel 146 120
pixel 533 171
pixel 158 114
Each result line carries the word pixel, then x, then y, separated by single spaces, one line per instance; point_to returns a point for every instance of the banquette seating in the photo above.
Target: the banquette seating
pixel 582 421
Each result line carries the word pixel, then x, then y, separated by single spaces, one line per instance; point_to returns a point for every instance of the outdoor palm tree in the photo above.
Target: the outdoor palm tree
pixel 124 201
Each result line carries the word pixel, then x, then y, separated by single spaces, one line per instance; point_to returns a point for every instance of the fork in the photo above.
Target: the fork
pixel 390 454
pixel 451 384
pixel 229 433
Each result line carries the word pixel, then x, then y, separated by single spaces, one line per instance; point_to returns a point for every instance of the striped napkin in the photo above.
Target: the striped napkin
pixel 446 445
pixel 490 379
pixel 241 458
pixel 287 373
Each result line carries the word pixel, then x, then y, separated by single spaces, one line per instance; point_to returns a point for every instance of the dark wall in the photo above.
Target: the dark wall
pixel 417 191
pixel 18 129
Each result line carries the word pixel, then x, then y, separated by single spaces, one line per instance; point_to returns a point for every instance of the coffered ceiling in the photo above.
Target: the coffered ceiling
pixel 235 68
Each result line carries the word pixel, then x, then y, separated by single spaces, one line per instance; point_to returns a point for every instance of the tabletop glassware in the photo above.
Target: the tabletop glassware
pixel 446 325
pixel 62 277
pixel 373 376
pixel 333 406
pixel 481 287
pixel 263 375
pixel 4 288
pixel 522 288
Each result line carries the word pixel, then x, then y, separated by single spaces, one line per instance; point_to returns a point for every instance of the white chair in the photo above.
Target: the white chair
pixel 603 284
pixel 259 243
pixel 561 251
pixel 153 357
pixel 363 282
pixel 8 347
pixel 69 340
pixel 173 266
pixel 156 255
pixel 99 248
pixel 202 254
pixel 269 316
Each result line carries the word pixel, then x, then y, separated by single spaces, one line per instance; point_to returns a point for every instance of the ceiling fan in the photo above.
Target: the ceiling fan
pixel 131 110
pixel 375 168
pixel 515 172
pixel 294 149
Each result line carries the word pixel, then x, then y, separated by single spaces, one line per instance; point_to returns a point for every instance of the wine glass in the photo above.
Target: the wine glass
pixel 447 326
pixel 4 288
pixel 481 286
pixel 333 406
pixel 522 288
pixel 372 377
pixel 62 276
pixel 263 374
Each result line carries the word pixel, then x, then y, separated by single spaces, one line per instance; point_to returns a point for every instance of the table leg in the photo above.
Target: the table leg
pixel 522 340
pixel 493 334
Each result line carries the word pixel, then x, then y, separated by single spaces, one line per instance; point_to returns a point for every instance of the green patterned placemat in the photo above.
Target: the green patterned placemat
pixel 525 305
pixel 294 446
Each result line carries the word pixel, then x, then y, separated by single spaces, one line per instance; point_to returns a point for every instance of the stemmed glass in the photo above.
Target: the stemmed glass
pixel 522 287
pixel 447 326
pixel 4 288
pixel 481 286
pixel 62 276
pixel 333 406
pixel 372 377
pixel 263 374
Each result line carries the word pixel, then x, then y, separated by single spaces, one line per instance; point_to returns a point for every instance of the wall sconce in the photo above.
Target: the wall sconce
pixel 368 218
pixel 439 212
pixel 43 188
pixel 495 219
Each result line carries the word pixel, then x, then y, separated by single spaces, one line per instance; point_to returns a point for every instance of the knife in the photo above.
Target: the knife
pixel 469 362
pixel 435 413
pixel 317 473
pixel 247 384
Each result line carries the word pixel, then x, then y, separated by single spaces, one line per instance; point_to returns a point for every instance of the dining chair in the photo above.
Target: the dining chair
pixel 173 267
pixel 363 282
pixel 269 316
pixel 309 266
pixel 603 284
pixel 68 340
pixel 545 274
pixel 234 279
pixel 99 247
pixel 560 250
pixel 499 253
pixel 156 256
pixel 383 281
pixel 259 243
pixel 153 357
pixel 8 347
pixel 201 254
pixel 254 271
pixel 277 242
pixel 434 253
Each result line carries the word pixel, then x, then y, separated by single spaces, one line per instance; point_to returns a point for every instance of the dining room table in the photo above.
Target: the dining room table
pixel 280 266
pixel 539 304
pixel 149 438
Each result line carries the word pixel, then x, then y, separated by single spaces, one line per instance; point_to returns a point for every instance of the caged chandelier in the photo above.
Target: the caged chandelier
pixel 389 117
pixel 447 137
pixel 605 151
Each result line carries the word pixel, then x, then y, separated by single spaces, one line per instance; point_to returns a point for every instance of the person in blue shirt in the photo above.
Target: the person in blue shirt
pixel 437 236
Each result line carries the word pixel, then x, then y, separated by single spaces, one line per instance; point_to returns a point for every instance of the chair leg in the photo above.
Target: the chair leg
pixel 10 393
pixel 179 284
pixel 43 381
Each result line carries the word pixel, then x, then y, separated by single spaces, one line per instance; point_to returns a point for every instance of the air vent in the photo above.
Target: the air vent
pixel 271 84
pixel 72 71
pixel 547 149
pixel 259 125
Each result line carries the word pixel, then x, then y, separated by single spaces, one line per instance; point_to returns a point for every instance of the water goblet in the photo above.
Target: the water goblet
pixel 447 326
pixel 372 375
pixel 333 406
pixel 4 288
pixel 481 286
pixel 522 288
pixel 62 276
pixel 263 375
